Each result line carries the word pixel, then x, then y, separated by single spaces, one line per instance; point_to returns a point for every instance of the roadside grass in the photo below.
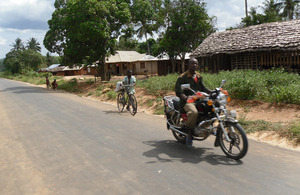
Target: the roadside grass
pixel 274 86
pixel 290 131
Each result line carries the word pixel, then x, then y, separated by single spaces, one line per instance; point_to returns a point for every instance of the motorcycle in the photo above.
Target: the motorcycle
pixel 213 119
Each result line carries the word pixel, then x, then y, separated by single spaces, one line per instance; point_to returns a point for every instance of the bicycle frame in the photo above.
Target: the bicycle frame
pixel 126 100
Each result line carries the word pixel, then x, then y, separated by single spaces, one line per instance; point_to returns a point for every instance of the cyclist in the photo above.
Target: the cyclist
pixel 129 80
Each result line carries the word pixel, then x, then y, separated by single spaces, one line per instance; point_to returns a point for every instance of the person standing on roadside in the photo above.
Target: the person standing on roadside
pixel 54 84
pixel 47 83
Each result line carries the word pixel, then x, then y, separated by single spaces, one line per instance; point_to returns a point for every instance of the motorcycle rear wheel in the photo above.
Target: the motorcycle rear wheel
pixel 179 137
pixel 238 146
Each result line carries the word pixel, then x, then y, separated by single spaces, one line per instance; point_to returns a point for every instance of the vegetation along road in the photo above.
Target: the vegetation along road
pixel 58 143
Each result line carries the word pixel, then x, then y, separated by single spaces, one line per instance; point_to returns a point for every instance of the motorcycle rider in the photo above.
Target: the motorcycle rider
pixel 195 80
pixel 129 80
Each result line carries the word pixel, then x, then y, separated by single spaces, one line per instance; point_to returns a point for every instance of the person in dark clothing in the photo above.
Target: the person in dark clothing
pixel 48 83
pixel 195 80
pixel 54 84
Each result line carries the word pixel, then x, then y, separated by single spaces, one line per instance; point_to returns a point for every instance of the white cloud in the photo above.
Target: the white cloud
pixel 23 19
pixel 16 14
pixel 229 13
pixel 2 41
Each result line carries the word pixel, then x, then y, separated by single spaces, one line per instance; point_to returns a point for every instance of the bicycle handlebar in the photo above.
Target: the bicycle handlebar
pixel 127 85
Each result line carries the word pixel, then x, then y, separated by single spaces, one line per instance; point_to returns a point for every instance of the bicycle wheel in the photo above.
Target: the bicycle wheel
pixel 132 104
pixel 121 101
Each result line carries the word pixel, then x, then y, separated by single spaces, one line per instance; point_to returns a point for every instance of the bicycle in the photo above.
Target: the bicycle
pixel 124 98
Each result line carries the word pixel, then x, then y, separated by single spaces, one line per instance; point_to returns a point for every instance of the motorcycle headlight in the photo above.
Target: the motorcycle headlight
pixel 222 99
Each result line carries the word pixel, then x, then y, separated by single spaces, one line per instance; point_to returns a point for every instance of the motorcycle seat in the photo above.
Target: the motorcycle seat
pixel 176 103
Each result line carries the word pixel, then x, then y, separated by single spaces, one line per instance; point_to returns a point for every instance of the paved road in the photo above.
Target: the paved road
pixel 58 143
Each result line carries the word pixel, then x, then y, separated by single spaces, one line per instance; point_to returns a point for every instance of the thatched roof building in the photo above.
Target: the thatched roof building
pixel 267 45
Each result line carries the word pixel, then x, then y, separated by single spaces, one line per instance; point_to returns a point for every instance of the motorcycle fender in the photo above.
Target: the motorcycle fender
pixel 227 120
pixel 230 120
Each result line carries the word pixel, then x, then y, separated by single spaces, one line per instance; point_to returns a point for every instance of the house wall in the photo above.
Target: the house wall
pixel 91 71
pixel 149 66
pixel 60 73
pixel 290 61
pixel 82 71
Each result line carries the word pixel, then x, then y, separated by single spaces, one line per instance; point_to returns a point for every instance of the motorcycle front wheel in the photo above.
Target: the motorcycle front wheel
pixel 238 146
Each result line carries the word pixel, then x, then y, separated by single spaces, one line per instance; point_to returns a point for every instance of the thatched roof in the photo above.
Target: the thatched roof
pixel 264 37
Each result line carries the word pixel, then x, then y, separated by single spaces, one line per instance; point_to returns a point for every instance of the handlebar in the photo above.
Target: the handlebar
pixel 127 85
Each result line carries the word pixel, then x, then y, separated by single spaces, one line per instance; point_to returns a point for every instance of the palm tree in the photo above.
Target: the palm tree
pixel 18 45
pixel 33 44
pixel 288 8
pixel 271 11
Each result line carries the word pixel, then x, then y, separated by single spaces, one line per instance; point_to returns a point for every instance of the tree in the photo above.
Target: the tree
pixel 31 60
pixel 33 44
pixel 127 44
pixel 18 45
pixel 271 11
pixel 23 61
pixel 152 44
pixel 86 30
pixel 146 18
pixel 51 59
pixel 12 62
pixel 253 18
pixel 288 8
pixel 189 24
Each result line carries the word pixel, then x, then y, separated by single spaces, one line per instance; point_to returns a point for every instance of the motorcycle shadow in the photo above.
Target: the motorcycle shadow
pixel 172 151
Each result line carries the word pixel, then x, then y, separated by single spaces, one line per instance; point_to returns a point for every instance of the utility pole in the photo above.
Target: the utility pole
pixel 246 8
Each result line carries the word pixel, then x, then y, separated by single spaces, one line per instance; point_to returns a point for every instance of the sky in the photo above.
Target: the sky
pixel 27 19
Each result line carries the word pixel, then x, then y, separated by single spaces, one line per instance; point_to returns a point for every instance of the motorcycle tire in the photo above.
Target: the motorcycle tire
pixel 133 105
pixel 179 137
pixel 121 102
pixel 238 146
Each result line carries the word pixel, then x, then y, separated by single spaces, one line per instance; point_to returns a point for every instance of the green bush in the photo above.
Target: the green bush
pixel 111 95
pixel 69 86
pixel 295 130
pixel 154 85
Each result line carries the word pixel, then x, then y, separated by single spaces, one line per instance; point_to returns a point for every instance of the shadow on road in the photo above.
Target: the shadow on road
pixel 25 89
pixel 116 112
pixel 170 151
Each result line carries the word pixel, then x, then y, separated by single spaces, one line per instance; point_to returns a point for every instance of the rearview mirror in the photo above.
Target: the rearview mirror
pixel 222 83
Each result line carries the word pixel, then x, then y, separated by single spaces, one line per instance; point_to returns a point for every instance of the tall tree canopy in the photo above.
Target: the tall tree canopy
pixel 188 24
pixel 86 30
pixel 273 11
pixel 33 44
pixel 23 61
pixel 18 45
pixel 289 8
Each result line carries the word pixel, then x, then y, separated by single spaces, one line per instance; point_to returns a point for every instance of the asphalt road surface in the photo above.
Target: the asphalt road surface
pixel 58 143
